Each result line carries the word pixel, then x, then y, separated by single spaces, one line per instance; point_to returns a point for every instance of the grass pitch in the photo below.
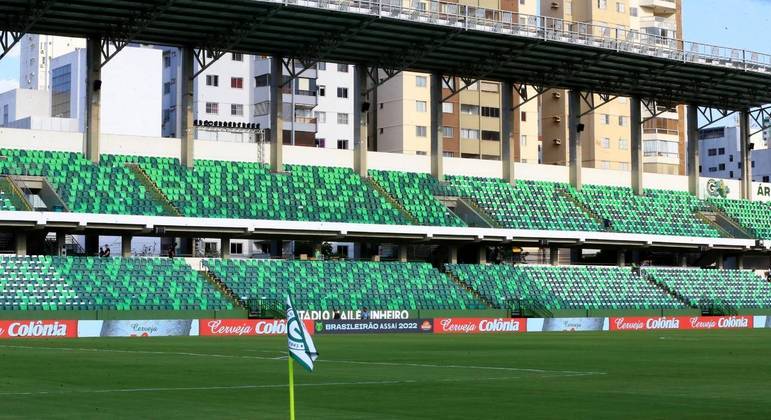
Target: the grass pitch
pixel 699 375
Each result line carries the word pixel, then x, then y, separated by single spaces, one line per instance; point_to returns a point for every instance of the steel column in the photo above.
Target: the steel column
pixel 276 115
pixel 692 157
pixel 225 247
pixel 21 243
pixel 185 110
pixel 744 152
pixel 93 97
pixel 372 130
pixel 437 146
pixel 360 110
pixel 125 246
pixel 508 143
pixel 636 145
pixel 574 138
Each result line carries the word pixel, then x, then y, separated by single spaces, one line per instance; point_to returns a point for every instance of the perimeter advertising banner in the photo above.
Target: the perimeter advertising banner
pixel 138 328
pixel 479 325
pixel 567 324
pixel 681 323
pixel 373 326
pixel 245 327
pixel 38 329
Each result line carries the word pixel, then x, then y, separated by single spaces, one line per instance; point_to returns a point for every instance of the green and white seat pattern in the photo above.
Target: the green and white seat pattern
pixel 738 288
pixel 416 193
pixel 326 285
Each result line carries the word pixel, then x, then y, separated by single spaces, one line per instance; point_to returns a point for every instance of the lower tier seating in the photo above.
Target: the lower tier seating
pixel 326 285
pixel 738 288
pixel 92 283
pixel 564 287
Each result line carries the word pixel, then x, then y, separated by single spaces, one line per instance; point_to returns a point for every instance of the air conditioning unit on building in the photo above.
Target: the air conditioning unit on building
pixel 557 119
pixel 555 5
pixel 556 95
pixel 556 141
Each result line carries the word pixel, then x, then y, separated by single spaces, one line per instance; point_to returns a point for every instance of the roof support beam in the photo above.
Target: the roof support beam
pixel 655 109
pixel 762 118
pixel 20 25
pixel 713 115
pixel 523 92
pixel 128 31
pixel 592 105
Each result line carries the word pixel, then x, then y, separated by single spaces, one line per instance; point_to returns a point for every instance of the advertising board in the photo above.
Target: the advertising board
pixel 479 325
pixel 38 329
pixel 373 326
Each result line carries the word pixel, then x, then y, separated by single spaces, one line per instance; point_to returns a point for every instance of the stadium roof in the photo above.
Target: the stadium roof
pixel 449 38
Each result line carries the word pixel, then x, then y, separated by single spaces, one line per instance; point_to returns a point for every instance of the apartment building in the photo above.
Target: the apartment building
pixel 606 137
pixel 36 54
pixel 720 156
pixel 471 120
pixel 317 105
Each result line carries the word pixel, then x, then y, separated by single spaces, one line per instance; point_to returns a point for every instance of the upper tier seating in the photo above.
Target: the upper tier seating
pixel 83 186
pixel 752 215
pixel 5 202
pixel 250 190
pixel 92 283
pixel 526 205
pixel 657 212
pixel 326 285
pixel 739 288
pixel 416 193
pixel 566 287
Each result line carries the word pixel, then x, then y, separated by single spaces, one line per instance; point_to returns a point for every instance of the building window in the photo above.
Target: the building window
pixel 721 167
pixel 212 80
pixel 492 112
pixel 620 7
pixel 605 143
pixel 261 81
pixel 321 142
pixel 623 144
pixel 421 81
pixel 166 59
pixel 5 114
pixel 342 118
pixel 447 107
pixel 321 65
pixel 469 109
pixel 605 119
pixel 237 82
pixel 237 57
pixel 523 116
pixel 236 248
pixel 633 11
pixel 342 68
pixel 322 90
pixel 491 135
pixel 447 131
pixel 212 108
pixel 421 130
pixel 712 152
pixel 321 117
pixel 166 88
pixel 604 164
pixel 730 158
pixel 421 153
pixel 523 140
pixel 721 151
pixel 61 80
pixel 342 144
pixel 622 120
pixel 420 106
pixel 624 166
pixel 765 178
pixel 468 133
pixel 602 4
pixel 731 174
pixel 342 92
pixel 237 110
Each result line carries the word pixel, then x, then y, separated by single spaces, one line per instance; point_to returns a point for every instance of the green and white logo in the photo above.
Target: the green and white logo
pixel 717 188
pixel 301 347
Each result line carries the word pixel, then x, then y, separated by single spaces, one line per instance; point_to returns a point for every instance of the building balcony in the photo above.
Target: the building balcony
pixel 660 6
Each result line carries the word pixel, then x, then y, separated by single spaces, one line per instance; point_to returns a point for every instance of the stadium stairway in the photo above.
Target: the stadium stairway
pixel 155 192
pixel 468 287
pixel 397 205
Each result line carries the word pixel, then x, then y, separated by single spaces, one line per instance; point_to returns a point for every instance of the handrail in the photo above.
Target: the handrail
pixel 547 29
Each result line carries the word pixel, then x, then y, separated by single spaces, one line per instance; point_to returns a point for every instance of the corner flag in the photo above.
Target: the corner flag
pixel 301 347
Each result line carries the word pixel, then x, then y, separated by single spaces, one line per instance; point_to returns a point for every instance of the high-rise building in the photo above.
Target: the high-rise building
pixel 471 120
pixel 236 88
pixel 36 54
pixel 720 155
pixel 607 132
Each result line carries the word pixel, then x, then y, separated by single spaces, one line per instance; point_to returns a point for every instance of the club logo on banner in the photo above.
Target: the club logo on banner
pixel 375 326
pixel 38 329
pixel 680 323
pixel 479 325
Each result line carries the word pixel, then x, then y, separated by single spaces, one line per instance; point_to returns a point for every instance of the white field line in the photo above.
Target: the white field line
pixel 561 373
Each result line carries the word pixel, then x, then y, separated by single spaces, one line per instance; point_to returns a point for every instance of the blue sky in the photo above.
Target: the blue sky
pixel 730 23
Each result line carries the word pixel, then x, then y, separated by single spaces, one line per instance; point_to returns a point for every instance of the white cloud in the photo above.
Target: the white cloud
pixel 8 84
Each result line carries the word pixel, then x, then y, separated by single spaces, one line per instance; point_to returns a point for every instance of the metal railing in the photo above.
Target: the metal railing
pixel 546 28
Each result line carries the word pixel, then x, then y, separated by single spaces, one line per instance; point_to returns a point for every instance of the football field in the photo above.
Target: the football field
pixel 693 374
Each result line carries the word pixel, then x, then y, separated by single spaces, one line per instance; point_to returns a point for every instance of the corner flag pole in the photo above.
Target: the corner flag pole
pixel 291 389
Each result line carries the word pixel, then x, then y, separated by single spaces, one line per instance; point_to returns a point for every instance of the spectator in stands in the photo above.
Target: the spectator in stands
pixel 101 251
pixel 364 313
pixel 768 274
pixel 336 314
pixel 106 251
pixel 172 250
pixel 635 269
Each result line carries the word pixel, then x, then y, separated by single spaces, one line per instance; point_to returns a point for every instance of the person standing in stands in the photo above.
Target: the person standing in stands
pixel 101 251
pixel 172 250
pixel 106 251
pixel 336 314
pixel 364 313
